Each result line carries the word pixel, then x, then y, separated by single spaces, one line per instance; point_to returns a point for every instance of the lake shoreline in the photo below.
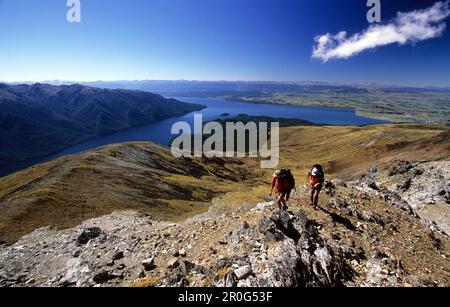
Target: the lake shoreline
pixel 374 116
pixel 159 131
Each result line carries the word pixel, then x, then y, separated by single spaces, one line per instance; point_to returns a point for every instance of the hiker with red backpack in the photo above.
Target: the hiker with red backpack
pixel 316 178
pixel 284 183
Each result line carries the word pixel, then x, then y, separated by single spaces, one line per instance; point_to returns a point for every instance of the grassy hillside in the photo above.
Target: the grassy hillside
pixel 347 152
pixel 146 177
pixel 140 176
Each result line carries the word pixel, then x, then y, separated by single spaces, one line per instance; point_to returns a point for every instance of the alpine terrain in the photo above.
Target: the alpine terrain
pixel 132 215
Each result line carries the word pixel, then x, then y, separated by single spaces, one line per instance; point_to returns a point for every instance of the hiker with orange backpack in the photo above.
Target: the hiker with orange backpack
pixel 316 178
pixel 284 183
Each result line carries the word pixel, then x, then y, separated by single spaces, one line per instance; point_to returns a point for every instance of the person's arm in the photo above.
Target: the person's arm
pixel 272 186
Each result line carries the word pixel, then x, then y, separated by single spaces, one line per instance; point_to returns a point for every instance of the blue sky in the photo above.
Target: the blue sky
pixel 208 40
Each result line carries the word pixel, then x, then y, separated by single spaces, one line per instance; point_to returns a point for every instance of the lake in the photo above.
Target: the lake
pixel 159 132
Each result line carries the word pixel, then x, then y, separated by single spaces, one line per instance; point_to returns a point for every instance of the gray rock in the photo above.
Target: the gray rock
pixel 330 188
pixel 371 183
pixel 235 236
pixel 118 256
pixel 339 203
pixel 149 264
pixel 88 234
pixel 230 280
pixel 406 185
pixel 302 258
pixel 279 226
pixel 175 253
pixel 173 263
pixel 243 272
pixel 182 253
pixel 401 168
pixel 76 253
pixel 102 277
pixel 282 269
pixel 269 229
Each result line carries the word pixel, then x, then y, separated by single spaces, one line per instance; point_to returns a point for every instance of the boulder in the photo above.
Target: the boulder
pixel 300 257
pixel 282 269
pixel 104 276
pixel 88 234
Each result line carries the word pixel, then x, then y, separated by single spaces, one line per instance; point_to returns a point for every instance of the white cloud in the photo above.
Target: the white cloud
pixel 405 28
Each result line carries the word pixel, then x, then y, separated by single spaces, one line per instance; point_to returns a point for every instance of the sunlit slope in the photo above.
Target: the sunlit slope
pixel 138 176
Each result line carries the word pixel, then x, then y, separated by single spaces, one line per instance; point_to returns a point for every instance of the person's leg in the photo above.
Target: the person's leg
pixel 280 201
pixel 288 195
pixel 316 198
pixel 286 199
pixel 312 196
pixel 284 202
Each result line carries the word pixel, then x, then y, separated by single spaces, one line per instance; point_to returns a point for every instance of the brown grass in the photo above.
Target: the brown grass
pixel 146 177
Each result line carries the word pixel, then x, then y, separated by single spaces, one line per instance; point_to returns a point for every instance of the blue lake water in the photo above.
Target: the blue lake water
pixel 160 132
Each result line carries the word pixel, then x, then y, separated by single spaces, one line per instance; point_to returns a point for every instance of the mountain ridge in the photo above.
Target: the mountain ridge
pixel 39 119
pixel 355 239
pixel 139 176
pixel 145 176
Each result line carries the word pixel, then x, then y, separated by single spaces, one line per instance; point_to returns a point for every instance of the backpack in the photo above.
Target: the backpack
pixel 285 176
pixel 321 173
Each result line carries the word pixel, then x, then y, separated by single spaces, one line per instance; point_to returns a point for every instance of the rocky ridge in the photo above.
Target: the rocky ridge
pixel 360 236
pixel 422 187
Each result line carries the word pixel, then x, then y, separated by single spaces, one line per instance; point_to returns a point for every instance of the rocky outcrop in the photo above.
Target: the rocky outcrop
pixel 286 251
pixel 421 183
pixel 421 188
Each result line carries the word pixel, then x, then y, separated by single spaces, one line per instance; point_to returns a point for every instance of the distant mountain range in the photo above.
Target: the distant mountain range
pixel 197 88
pixel 39 119
pixel 426 105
